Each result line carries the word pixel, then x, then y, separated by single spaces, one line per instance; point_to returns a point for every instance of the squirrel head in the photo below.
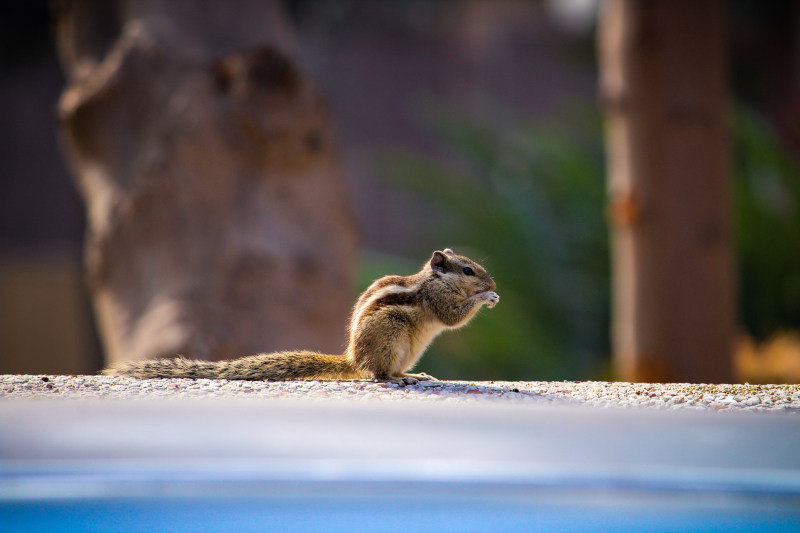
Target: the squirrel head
pixel 461 271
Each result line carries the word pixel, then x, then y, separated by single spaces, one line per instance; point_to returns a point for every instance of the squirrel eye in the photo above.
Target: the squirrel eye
pixel 468 271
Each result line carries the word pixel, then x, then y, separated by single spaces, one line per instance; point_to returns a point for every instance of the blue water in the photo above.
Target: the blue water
pixel 208 467
pixel 397 512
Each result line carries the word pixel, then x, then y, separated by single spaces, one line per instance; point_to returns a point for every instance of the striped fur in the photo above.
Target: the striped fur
pixel 397 317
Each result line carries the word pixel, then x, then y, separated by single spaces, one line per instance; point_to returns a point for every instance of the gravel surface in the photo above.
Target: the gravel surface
pixel 785 398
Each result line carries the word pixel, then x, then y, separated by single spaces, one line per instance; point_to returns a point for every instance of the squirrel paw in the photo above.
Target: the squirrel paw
pixel 407 379
pixel 422 376
pixel 491 299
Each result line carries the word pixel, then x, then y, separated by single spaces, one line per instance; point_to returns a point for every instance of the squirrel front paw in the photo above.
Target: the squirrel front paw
pixel 491 299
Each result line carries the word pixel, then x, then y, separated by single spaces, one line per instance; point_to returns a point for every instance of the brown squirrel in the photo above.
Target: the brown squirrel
pixel 392 323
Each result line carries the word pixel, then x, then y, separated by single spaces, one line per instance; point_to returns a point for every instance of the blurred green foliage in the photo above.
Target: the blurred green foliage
pixel 528 202
pixel 767 208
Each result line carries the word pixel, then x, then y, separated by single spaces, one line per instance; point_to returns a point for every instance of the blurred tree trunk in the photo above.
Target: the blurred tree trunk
pixel 218 221
pixel 663 88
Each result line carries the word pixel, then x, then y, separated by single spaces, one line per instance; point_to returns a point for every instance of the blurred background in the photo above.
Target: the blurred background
pixel 467 124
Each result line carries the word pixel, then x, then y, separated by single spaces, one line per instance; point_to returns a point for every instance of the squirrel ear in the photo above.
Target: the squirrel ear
pixel 437 261
pixel 448 251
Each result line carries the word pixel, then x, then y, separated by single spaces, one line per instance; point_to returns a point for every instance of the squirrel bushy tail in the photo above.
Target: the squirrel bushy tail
pixel 276 365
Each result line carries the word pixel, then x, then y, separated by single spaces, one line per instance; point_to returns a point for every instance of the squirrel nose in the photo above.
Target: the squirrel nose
pixel 492 285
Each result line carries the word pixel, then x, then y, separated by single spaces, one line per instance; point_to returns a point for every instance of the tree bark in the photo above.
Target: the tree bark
pixel 218 220
pixel 663 90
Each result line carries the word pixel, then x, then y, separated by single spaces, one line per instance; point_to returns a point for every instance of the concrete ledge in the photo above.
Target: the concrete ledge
pixel 218 456
pixel 784 398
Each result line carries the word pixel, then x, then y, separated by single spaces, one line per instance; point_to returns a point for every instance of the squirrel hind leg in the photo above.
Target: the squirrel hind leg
pixel 421 376
pixel 399 380
pixel 407 379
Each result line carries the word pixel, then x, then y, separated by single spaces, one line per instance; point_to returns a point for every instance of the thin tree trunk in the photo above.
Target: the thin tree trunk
pixel 663 89
pixel 218 222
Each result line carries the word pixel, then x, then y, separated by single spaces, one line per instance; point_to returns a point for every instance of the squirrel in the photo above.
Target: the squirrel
pixel 391 325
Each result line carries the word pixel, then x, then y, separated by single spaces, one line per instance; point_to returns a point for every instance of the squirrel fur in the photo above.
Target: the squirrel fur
pixel 391 325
